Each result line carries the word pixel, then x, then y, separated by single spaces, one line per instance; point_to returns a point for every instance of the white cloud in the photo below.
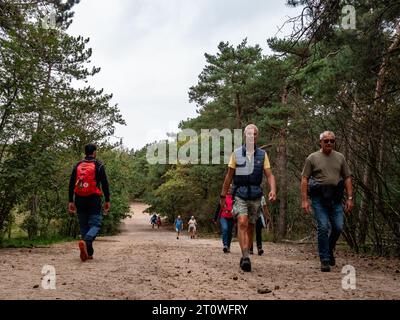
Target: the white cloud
pixel 152 51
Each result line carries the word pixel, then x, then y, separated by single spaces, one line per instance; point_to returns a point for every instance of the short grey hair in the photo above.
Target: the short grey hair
pixel 251 126
pixel 325 133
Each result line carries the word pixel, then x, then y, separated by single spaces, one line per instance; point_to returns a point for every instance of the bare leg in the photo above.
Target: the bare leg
pixel 243 233
pixel 250 235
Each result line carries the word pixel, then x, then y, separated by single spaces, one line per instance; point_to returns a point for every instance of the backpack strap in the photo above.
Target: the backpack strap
pixel 98 166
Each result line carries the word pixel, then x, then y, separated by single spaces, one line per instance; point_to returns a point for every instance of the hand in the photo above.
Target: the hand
pixel 272 196
pixel 222 203
pixel 106 208
pixel 306 206
pixel 214 221
pixel 71 208
pixel 349 206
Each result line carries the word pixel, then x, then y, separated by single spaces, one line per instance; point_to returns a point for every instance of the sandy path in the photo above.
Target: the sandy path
pixel 142 263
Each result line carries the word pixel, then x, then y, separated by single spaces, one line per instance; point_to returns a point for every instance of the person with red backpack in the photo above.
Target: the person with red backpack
pixel 84 185
pixel 226 221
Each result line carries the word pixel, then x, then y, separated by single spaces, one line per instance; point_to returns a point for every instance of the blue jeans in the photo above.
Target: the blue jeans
pixel 226 227
pixel 89 216
pixel 329 217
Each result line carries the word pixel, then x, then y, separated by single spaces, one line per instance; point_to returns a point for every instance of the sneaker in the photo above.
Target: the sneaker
pixel 225 249
pixel 229 250
pixel 245 264
pixel 260 251
pixel 83 249
pixel 325 266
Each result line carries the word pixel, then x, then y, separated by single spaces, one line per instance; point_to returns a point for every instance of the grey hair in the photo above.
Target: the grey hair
pixel 325 133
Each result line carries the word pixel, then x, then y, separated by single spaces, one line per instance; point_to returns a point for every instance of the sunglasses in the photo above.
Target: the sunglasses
pixel 332 141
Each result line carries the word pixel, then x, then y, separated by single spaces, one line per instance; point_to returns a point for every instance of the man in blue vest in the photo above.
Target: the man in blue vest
pixel 246 168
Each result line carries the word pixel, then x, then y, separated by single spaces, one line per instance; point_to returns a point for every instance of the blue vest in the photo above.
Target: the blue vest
pixel 248 174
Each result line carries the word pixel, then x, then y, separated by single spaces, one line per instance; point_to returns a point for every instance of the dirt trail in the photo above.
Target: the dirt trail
pixel 142 263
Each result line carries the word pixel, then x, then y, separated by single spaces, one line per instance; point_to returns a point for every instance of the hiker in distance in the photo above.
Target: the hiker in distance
pixel 87 184
pixel 178 226
pixel 246 168
pixel 325 176
pixel 153 220
pixel 192 227
pixel 225 217
pixel 262 222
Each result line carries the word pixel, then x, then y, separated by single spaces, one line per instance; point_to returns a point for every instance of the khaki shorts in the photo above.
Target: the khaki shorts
pixel 248 208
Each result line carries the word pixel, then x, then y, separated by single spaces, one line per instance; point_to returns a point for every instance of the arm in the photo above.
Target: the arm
pixel 349 190
pixel 216 213
pixel 227 183
pixel 272 184
pixel 305 204
pixel 266 212
pixel 105 188
pixel 104 183
pixel 71 205
pixel 71 188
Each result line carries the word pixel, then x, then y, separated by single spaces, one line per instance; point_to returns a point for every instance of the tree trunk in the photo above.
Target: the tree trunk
pixel 238 111
pixel 282 174
pixel 364 212
pixel 33 219
pixel 376 143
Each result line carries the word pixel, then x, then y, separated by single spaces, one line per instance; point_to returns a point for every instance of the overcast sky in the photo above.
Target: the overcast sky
pixel 152 51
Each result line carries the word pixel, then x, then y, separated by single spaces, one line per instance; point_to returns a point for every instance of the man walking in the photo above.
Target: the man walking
pixel 261 223
pixel 246 168
pixel 324 177
pixel 178 226
pixel 86 178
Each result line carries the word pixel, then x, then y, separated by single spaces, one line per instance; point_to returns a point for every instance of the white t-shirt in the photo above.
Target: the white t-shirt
pixel 192 223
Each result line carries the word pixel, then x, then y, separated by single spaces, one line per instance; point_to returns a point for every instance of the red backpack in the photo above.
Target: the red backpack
pixel 86 184
pixel 227 211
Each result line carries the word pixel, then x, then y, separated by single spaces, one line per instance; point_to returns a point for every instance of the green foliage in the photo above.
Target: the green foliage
pixel 118 166
pixel 46 121
pixel 321 78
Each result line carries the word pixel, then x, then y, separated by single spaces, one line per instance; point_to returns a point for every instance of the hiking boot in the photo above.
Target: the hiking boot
pixel 260 251
pixel 83 249
pixel 325 266
pixel 89 248
pixel 245 264
pixel 225 249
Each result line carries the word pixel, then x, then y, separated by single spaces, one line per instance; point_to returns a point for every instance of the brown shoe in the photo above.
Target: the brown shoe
pixel 83 249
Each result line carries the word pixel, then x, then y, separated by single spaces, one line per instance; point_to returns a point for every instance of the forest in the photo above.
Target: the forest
pixel 328 75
